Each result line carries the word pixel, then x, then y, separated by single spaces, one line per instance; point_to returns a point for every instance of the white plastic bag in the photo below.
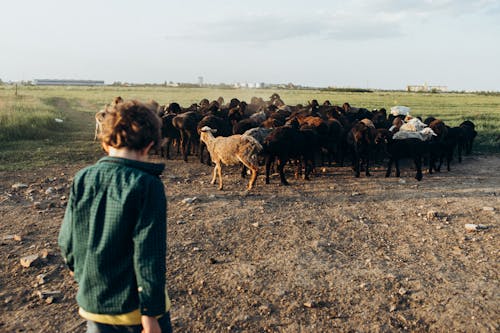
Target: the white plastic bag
pixel 400 110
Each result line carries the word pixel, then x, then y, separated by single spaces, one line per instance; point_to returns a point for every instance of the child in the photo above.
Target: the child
pixel 113 236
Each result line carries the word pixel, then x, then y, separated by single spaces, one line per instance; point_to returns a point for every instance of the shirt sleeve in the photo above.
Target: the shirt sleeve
pixel 65 239
pixel 150 249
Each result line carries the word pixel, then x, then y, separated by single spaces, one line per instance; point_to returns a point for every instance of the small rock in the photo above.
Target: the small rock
pixel 189 200
pixel 256 224
pixel 42 294
pixel 18 186
pixel 181 222
pixel 49 191
pixel 264 310
pixel 402 291
pixel 392 308
pixel 354 194
pixel 401 181
pixel 40 279
pixel 310 304
pixel 18 238
pixel 27 261
pixel 431 214
pixel 49 300
pixel 475 227
pixel 489 209
pixel 44 253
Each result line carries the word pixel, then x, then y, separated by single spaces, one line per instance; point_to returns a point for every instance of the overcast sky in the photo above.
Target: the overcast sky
pixel 384 44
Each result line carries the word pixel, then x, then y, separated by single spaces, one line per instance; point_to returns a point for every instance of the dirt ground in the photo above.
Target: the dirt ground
pixel 332 254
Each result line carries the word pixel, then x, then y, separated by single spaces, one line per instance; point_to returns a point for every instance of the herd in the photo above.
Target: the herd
pixel 271 133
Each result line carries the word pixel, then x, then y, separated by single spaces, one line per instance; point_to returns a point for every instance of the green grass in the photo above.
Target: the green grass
pixel 31 138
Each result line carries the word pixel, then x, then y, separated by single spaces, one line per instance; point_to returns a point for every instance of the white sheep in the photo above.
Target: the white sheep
pixel 425 134
pixel 99 118
pixel 413 125
pixel 231 150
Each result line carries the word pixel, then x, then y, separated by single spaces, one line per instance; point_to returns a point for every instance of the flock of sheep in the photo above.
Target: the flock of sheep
pixel 306 135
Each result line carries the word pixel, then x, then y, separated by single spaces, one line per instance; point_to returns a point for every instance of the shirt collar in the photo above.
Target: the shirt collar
pixel 154 169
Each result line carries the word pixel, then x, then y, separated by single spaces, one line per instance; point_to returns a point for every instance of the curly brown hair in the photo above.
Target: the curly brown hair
pixel 132 125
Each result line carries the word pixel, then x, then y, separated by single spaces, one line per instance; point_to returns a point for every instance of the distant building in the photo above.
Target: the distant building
pixel 248 85
pixel 38 82
pixel 426 88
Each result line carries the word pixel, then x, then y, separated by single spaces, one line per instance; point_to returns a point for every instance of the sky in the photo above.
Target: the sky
pixel 377 44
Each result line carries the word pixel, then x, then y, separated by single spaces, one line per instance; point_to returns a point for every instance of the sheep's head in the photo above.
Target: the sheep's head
pixel 208 129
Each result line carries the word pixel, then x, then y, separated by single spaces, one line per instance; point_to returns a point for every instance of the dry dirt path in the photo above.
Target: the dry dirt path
pixel 336 253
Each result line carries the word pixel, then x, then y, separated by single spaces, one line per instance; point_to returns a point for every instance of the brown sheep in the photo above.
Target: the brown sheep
pixel 231 150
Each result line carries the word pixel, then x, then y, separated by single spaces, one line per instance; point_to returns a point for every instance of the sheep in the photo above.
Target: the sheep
pixel 425 134
pixel 186 123
pixel 99 116
pixel 413 125
pixel 469 133
pixel 438 144
pixel 259 133
pixel 412 148
pixel 361 141
pixel 231 150
pixel 169 133
pixel 222 127
pixel 287 142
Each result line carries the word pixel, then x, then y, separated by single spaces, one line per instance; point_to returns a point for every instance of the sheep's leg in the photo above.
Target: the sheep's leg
pixel 281 167
pixel 244 170
pixel 307 169
pixel 468 149
pixel 202 148
pixel 418 166
pixel 432 161
pixel 459 151
pixel 253 178
pixel 184 146
pixel 398 171
pixel 169 144
pixel 355 163
pixel 188 145
pixel 214 175
pixel 254 170
pixel 389 167
pixel 367 171
pixel 269 160
pixel 449 157
pixel 219 169
pixel 298 168
pixel 178 145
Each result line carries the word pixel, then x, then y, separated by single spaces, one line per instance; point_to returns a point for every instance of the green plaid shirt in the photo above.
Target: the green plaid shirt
pixel 113 237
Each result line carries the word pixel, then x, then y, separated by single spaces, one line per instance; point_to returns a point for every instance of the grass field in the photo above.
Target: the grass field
pixel 31 138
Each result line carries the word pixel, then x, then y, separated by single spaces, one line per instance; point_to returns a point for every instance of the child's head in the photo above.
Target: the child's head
pixel 130 125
